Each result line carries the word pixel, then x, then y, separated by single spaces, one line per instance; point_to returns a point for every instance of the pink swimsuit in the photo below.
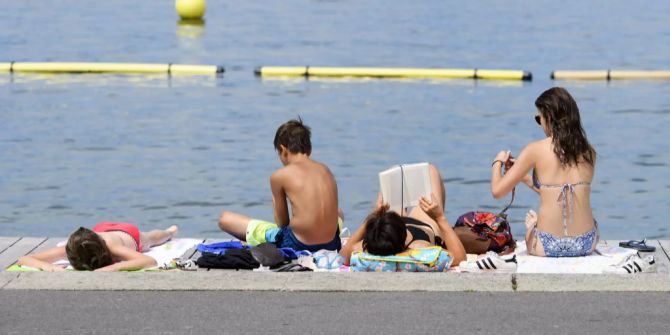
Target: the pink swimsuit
pixel 127 228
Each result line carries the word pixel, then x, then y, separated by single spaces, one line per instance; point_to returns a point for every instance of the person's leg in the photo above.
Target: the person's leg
pixel 437 186
pixel 157 237
pixel 234 224
pixel 533 246
pixel 597 239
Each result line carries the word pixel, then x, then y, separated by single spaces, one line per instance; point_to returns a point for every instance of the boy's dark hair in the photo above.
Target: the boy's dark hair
pixel 295 136
pixel 385 233
pixel 86 250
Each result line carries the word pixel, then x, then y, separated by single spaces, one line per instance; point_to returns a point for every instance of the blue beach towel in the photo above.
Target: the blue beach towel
pixel 221 247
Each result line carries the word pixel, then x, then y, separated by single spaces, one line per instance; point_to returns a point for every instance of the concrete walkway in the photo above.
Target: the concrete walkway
pixel 218 280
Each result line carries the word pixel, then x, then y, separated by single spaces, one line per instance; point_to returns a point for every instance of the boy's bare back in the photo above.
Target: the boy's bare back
pixel 312 191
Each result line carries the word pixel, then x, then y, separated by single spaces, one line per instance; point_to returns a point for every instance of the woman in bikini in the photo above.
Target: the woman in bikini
pixel 562 167
pixel 109 246
pixel 385 232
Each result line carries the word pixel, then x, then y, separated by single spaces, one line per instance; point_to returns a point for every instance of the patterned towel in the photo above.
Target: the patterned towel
pixel 431 259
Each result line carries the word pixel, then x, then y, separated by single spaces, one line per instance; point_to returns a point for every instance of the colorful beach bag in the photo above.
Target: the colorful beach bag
pixel 486 226
pixel 431 259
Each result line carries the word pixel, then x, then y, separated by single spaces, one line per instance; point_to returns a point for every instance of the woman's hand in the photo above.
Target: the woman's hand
pixel 451 241
pixel 379 203
pixel 431 207
pixel 503 156
pixel 509 162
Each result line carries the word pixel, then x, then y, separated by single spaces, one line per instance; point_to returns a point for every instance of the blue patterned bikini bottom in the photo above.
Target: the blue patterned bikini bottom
pixel 568 246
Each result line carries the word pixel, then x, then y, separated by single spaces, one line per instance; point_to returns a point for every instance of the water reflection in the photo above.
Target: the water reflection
pixel 26 82
pixel 190 39
pixel 189 31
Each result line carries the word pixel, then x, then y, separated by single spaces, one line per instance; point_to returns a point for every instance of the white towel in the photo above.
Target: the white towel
pixel 163 254
pixel 594 263
pixel 166 252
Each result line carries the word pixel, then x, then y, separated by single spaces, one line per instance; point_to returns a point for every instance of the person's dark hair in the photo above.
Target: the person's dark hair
pixel 385 233
pixel 295 136
pixel 86 250
pixel 560 111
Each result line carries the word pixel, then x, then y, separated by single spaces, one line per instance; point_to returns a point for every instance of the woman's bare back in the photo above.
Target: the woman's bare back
pixel 564 194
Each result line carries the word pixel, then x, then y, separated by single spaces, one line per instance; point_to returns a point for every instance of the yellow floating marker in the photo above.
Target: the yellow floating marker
pixel 610 75
pixel 376 72
pixel 190 9
pixel 128 68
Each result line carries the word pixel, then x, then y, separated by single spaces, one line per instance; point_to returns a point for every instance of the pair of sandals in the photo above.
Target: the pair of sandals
pixel 638 245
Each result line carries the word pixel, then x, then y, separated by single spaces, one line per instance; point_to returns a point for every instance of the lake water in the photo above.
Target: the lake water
pixel 77 149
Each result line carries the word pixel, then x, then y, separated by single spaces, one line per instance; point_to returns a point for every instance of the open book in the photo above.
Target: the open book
pixel 403 185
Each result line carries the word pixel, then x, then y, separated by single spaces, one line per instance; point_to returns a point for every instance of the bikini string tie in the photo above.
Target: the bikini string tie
pixel 566 195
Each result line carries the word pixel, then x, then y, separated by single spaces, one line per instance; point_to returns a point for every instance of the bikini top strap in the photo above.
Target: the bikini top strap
pixel 565 196
pixel 536 183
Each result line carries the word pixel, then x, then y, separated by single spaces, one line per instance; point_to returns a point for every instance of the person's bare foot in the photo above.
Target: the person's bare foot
pixel 531 219
pixel 173 229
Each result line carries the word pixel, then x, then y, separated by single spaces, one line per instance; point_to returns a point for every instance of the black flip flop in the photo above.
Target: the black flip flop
pixel 638 245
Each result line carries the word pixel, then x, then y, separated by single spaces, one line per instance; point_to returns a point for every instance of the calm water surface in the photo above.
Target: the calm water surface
pixel 77 149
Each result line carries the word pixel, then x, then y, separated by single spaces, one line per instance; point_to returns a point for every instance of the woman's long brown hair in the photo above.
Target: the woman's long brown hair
pixel 560 111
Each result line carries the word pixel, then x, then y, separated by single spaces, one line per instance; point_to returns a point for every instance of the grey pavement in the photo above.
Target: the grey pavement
pixel 246 312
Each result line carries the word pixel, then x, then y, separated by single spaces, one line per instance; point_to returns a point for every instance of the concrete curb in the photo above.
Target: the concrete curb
pixel 261 281
pixel 399 282
pixel 6 278
pixel 592 282
pixel 331 282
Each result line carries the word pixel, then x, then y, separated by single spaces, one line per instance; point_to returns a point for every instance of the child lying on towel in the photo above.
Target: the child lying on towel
pixel 109 246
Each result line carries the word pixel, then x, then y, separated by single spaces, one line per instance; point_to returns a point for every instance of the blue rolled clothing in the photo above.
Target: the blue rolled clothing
pixel 221 247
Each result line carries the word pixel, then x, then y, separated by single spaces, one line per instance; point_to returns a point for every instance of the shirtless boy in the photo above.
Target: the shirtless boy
pixel 312 191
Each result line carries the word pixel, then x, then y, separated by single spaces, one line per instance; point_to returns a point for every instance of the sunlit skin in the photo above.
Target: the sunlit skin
pixel 310 188
pixel 120 244
pixel 540 156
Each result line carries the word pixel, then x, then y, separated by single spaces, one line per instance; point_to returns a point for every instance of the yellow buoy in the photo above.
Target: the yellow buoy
pixel 610 74
pixel 72 67
pixel 379 72
pixel 190 9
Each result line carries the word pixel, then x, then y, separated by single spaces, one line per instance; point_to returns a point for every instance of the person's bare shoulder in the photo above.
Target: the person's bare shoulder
pixel 324 167
pixel 287 176
pixel 537 146
pixel 280 175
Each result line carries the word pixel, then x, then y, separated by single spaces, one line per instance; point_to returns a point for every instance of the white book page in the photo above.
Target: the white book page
pixel 403 187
